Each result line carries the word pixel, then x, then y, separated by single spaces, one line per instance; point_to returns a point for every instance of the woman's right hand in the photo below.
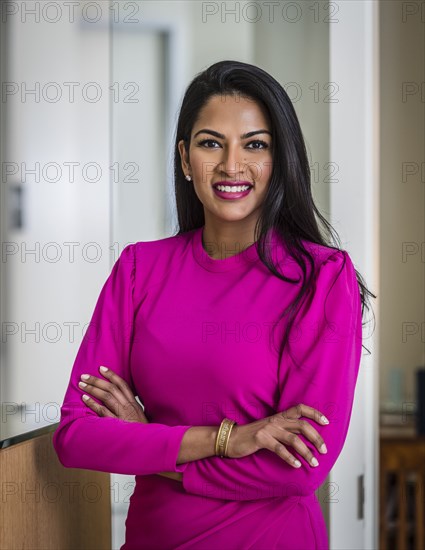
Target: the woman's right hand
pixel 276 433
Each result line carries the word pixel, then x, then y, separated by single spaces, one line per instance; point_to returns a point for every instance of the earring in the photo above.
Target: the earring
pixel 189 178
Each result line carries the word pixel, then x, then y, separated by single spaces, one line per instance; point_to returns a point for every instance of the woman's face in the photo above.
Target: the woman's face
pixel 220 151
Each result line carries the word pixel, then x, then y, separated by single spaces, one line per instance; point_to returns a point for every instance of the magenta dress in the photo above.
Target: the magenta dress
pixel 192 336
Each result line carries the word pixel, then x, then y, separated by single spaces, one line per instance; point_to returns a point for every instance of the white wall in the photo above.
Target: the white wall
pixel 294 48
pixel 220 31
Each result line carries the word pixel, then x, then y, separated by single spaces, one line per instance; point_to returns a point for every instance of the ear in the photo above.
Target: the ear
pixel 184 157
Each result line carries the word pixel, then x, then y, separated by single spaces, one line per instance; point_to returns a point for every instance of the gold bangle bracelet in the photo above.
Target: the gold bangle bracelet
pixel 228 437
pixel 223 436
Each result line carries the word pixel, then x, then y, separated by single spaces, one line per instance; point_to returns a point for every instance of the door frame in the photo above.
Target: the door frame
pixel 354 206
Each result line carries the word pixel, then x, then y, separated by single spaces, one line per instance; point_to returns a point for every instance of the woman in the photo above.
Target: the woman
pixel 239 334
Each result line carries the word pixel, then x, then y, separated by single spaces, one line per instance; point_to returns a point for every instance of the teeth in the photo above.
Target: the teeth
pixel 232 189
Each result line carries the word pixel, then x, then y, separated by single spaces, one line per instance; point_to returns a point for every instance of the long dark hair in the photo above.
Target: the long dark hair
pixel 288 207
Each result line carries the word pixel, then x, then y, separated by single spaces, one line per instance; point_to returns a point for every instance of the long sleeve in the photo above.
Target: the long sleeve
pixel 320 370
pixel 85 440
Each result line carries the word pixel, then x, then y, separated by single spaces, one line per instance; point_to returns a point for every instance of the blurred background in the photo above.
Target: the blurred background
pixel 90 98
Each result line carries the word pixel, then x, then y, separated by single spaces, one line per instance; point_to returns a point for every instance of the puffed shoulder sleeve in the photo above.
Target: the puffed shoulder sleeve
pixel 319 369
pixel 85 440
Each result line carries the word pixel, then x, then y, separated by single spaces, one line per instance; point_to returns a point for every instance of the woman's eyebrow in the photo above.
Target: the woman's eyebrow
pixel 243 136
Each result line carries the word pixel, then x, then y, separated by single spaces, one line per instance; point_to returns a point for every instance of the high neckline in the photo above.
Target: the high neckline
pixel 247 257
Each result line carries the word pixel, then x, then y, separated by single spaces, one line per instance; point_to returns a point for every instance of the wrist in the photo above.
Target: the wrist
pixel 198 442
pixel 223 437
pixel 213 439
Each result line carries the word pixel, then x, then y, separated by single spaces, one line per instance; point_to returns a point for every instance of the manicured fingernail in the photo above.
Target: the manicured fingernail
pixel 103 369
pixel 323 449
pixel 85 397
pixel 297 463
pixel 85 376
pixel 324 420
pixel 314 461
pixel 82 384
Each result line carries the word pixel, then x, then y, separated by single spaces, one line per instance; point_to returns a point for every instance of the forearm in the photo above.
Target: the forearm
pixel 198 442
pixel 84 440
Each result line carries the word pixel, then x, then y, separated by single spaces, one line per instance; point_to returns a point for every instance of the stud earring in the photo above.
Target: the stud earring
pixel 189 178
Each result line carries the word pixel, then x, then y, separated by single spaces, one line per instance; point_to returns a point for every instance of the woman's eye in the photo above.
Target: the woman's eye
pixel 207 141
pixel 261 142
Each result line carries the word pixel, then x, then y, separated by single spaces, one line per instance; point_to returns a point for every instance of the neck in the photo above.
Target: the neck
pixel 224 239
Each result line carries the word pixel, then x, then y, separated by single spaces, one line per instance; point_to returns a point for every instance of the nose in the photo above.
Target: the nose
pixel 232 160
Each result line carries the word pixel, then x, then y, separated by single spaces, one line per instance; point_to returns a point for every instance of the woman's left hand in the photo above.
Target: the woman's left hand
pixel 115 393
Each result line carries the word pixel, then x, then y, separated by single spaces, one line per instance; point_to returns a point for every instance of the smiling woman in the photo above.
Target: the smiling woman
pixel 229 168
pixel 240 423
